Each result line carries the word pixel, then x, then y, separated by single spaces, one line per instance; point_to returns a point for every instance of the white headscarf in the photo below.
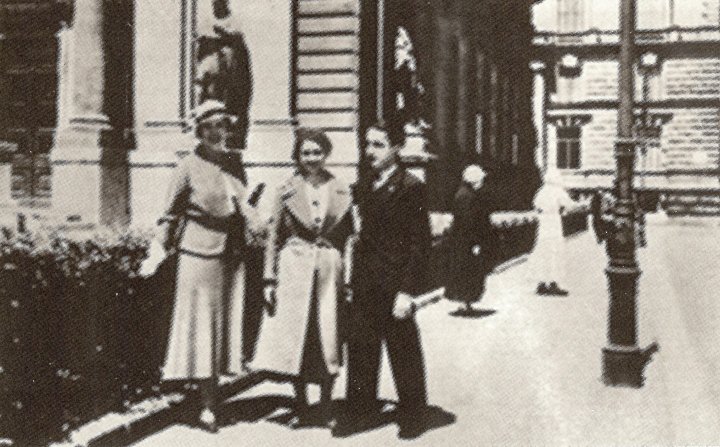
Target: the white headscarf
pixel 473 174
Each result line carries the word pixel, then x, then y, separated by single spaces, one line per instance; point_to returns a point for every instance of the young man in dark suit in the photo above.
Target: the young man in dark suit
pixel 390 268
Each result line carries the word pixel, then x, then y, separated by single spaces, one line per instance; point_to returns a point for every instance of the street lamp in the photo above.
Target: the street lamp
pixel 623 360
pixel 648 63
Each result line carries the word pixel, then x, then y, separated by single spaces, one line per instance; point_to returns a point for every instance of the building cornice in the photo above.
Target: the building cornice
pixel 594 37
pixel 665 104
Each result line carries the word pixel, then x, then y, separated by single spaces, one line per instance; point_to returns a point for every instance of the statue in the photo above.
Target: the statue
pixel 406 86
pixel 224 71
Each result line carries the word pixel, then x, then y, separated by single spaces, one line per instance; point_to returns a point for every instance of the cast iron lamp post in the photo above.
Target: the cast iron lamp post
pixel 623 360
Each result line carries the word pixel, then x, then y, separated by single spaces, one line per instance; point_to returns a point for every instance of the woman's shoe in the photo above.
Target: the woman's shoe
pixel 208 421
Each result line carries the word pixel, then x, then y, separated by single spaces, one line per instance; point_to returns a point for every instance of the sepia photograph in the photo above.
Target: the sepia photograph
pixel 359 223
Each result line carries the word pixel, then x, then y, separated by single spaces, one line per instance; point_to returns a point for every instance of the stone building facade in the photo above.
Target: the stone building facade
pixel 677 96
pixel 110 85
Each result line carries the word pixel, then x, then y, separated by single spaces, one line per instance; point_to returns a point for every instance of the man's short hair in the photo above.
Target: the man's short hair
pixel 394 132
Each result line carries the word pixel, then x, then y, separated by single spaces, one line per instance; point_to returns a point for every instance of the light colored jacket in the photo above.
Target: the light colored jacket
pixel 199 187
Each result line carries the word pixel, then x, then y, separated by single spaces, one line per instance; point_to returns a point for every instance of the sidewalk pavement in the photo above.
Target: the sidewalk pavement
pixel 529 371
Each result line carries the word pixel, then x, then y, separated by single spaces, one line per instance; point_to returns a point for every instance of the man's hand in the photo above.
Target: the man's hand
pixel 270 300
pixel 348 295
pixel 476 250
pixel 404 307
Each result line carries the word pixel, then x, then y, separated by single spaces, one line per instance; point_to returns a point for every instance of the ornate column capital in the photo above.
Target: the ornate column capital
pixel 570 120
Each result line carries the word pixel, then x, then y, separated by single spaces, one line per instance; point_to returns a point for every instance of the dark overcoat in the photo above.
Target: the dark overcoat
pixel 471 245
pixel 393 250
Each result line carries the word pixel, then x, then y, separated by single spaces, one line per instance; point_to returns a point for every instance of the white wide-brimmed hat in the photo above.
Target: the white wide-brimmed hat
pixel 473 174
pixel 209 108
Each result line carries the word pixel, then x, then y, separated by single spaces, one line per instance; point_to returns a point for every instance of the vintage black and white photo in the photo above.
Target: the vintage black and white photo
pixel 359 222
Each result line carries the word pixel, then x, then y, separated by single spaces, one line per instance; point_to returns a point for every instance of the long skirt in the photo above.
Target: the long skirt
pixel 206 324
pixel 549 250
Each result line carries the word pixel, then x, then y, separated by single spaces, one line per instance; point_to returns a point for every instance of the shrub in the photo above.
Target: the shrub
pixel 68 307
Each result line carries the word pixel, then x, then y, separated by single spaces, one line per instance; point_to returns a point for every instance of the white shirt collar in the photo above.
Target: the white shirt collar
pixel 384 177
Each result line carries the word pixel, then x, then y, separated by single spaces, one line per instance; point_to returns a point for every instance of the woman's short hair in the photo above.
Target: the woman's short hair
pixel 317 136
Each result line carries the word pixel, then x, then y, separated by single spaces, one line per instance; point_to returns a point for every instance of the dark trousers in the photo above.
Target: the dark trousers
pixel 402 341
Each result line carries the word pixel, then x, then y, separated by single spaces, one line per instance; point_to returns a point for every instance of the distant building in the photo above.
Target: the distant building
pixel 96 95
pixel 677 93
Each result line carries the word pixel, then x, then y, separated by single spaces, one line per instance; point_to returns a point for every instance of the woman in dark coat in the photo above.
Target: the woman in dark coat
pixel 471 241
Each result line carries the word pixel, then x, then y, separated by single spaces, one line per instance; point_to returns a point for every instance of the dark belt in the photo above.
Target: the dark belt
pixel 203 218
pixel 314 238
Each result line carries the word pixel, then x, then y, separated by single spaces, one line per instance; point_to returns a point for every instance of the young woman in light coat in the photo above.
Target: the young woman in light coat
pixel 310 228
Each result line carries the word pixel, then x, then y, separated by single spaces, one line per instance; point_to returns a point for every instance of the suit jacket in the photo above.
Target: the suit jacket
pixel 291 218
pixel 393 249
pixel 204 197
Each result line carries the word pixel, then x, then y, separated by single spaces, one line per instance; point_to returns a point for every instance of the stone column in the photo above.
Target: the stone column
pixel 89 170
pixel 539 108
pixel 163 71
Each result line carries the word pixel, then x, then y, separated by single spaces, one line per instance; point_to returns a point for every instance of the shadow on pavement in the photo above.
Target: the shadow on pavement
pixel 253 409
pixel 277 409
pixel 473 313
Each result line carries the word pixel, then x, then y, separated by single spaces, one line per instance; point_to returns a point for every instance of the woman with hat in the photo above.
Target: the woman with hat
pixel 471 241
pixel 310 227
pixel 204 222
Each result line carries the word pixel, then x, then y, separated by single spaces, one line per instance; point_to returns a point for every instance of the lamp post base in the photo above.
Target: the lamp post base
pixel 624 365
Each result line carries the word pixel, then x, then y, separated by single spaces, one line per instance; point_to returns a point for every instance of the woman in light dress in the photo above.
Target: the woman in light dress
pixel 204 222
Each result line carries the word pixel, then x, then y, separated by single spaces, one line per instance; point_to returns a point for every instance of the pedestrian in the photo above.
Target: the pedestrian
pixel 390 267
pixel 204 222
pixel 471 241
pixel 310 227
pixel 550 202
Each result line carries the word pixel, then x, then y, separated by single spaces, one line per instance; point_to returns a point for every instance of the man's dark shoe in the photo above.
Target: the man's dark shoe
pixel 542 289
pixel 554 289
pixel 411 427
pixel 351 424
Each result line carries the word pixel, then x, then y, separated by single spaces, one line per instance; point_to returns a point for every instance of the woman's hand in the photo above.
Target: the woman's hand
pixel 156 255
pixel 270 299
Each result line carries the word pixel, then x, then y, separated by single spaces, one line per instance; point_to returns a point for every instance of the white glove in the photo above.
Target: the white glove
pixel 403 306
pixel 156 255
